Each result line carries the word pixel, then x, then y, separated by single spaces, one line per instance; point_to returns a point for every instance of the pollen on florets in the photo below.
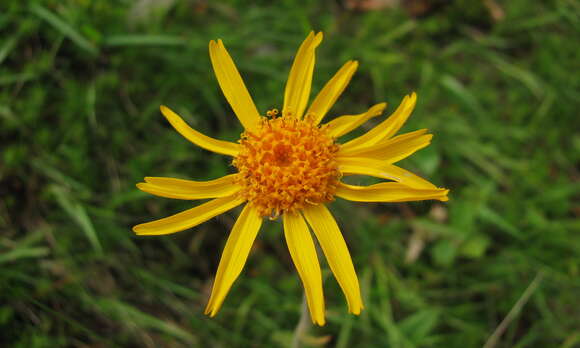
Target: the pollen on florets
pixel 285 164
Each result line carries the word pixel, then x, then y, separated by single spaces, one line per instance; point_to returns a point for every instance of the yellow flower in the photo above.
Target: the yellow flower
pixel 290 165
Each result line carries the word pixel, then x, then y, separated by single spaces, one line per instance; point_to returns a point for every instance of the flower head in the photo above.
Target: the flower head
pixel 290 165
pixel 286 164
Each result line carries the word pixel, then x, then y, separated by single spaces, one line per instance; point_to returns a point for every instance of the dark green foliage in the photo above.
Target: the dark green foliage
pixel 80 87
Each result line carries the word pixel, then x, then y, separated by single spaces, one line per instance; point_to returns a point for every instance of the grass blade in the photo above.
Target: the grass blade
pixel 79 214
pixel 64 28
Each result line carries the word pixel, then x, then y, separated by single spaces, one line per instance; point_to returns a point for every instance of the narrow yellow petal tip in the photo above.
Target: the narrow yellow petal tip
pixel 319 36
pixel 141 231
pixel 319 321
pixel 167 112
pixel 355 308
pixel 209 311
pixel 379 108
pixel 444 198
pixel 138 230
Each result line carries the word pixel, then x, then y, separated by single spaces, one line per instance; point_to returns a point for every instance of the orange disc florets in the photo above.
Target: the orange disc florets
pixel 286 164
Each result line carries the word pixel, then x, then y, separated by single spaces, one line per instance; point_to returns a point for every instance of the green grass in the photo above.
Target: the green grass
pixel 80 87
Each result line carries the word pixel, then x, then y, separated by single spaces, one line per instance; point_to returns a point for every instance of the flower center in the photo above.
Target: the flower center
pixel 285 164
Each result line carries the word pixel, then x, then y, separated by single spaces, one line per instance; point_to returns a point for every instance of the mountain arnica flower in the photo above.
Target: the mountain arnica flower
pixel 289 166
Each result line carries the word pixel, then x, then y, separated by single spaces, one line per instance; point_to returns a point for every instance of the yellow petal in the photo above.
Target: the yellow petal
pixel 232 85
pixel 331 91
pixel 299 82
pixel 388 127
pixel 392 150
pixel 303 254
pixel 211 144
pixel 188 189
pixel 389 192
pixel 344 124
pixel 189 218
pixel 380 169
pixel 336 252
pixel 234 256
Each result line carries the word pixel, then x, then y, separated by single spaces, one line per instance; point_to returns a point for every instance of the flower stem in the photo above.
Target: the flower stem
pixel 303 325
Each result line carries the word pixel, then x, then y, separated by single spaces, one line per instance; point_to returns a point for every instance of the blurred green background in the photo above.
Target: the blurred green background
pixel 80 86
